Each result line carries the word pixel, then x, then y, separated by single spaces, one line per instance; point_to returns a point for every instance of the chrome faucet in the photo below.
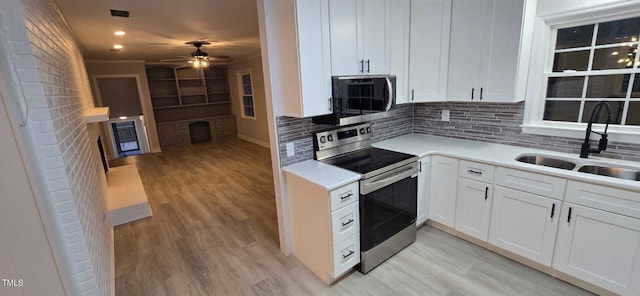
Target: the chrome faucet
pixel 602 145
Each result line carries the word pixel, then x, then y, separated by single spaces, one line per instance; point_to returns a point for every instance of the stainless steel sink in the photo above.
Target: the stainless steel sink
pixel 616 172
pixel 547 161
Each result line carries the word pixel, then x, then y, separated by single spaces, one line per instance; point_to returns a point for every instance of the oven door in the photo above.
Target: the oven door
pixel 388 205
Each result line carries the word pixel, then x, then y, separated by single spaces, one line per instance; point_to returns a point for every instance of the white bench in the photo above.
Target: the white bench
pixel 126 198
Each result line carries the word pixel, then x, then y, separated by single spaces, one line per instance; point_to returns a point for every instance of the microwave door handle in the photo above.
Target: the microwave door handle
pixel 390 94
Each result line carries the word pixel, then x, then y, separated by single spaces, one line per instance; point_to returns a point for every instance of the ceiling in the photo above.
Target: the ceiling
pixel 158 29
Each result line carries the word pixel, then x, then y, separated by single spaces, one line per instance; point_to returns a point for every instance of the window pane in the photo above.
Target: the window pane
pixel 608 86
pixel 565 87
pixel 618 31
pixel 614 58
pixel 246 79
pixel 248 111
pixel 633 114
pixel 247 89
pixel 616 112
pixel 635 91
pixel 247 100
pixel 574 37
pixel 561 110
pixel 575 60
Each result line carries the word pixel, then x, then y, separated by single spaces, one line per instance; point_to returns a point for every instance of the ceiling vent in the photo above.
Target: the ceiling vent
pixel 119 13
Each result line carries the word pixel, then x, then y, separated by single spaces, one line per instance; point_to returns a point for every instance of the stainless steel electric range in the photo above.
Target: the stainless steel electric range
pixel 388 190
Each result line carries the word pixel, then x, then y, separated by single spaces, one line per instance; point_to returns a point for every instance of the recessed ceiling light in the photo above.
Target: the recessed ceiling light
pixel 119 33
pixel 118 46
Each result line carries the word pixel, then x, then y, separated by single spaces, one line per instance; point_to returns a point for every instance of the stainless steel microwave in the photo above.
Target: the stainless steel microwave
pixel 360 98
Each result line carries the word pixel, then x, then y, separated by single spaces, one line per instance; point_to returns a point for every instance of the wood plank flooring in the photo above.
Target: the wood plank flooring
pixel 214 232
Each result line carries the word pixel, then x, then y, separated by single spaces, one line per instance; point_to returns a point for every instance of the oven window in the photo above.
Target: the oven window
pixel 387 211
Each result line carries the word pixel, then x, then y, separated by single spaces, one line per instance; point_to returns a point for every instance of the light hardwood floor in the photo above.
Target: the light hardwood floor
pixel 214 232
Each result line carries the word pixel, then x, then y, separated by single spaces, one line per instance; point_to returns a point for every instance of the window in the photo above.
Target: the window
pixel 592 63
pixel 246 94
pixel 580 58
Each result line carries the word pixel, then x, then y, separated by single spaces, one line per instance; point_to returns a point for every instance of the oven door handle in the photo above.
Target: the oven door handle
pixel 390 94
pixel 388 178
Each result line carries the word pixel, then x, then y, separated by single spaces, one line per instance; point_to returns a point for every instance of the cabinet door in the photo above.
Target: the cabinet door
pixel 473 208
pixel 345 48
pixel 467 29
pixel 424 188
pixel 375 36
pixel 500 49
pixel 429 50
pixel 524 223
pixel 444 179
pixel 599 247
pixel 399 18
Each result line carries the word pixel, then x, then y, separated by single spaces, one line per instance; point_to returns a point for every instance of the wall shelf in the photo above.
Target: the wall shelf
pixel 96 114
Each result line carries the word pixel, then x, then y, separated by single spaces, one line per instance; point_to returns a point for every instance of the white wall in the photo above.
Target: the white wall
pixel 128 68
pixel 253 130
pixel 46 90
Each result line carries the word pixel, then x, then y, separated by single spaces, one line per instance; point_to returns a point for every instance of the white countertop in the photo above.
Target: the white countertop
pixel 504 155
pixel 325 175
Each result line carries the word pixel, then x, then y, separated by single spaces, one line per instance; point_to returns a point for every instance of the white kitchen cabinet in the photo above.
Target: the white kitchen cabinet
pixel 473 208
pixel 429 50
pixel 524 224
pixel 325 226
pixel 424 189
pixel 399 22
pixel 298 41
pixel 599 247
pixel 488 50
pixel 444 184
pixel 359 36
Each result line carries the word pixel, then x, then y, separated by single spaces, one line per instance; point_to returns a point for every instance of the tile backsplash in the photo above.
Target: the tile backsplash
pixel 486 122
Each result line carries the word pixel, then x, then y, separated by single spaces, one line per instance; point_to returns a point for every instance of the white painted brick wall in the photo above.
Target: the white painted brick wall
pixel 53 78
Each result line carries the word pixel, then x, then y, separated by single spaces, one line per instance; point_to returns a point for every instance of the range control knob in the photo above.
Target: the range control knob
pixel 330 138
pixel 363 131
pixel 368 129
pixel 323 139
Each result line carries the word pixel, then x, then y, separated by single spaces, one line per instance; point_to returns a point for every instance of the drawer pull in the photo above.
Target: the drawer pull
pixel 347 223
pixel 486 193
pixel 479 173
pixel 553 210
pixel 569 216
pixel 351 252
pixel 343 197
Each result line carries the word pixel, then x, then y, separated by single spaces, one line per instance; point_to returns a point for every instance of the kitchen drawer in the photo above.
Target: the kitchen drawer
pixel 609 199
pixel 345 222
pixel 346 255
pixel 344 195
pixel 531 182
pixel 476 171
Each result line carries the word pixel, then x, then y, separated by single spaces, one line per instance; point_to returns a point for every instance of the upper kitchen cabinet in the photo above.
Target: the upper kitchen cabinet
pixel 489 50
pixel 297 36
pixel 359 36
pixel 429 50
pixel 399 24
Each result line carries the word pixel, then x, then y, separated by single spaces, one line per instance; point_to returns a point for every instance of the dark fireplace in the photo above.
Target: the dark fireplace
pixel 103 156
pixel 200 132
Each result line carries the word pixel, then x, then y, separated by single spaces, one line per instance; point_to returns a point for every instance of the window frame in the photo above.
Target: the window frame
pixel 541 65
pixel 241 94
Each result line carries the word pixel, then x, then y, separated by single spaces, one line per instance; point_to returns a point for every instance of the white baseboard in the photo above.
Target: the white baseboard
pixel 254 141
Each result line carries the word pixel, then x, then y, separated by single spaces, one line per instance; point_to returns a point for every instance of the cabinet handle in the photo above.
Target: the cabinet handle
pixel 481 89
pixel 553 210
pixel 486 193
pixel 361 66
pixel 474 172
pixel 330 104
pixel 473 90
pixel 368 66
pixel 419 166
pixel 343 197
pixel 412 94
pixel 346 256
pixel 569 217
pixel 347 223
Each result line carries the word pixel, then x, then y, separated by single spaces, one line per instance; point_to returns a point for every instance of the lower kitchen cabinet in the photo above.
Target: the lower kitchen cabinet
pixel 444 181
pixel 473 208
pixel 524 224
pixel 325 226
pixel 424 190
pixel 599 247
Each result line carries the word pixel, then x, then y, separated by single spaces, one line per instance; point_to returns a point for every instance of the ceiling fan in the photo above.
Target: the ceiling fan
pixel 199 58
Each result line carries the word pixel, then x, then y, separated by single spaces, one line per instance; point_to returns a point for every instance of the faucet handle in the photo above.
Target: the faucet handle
pixel 602 145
